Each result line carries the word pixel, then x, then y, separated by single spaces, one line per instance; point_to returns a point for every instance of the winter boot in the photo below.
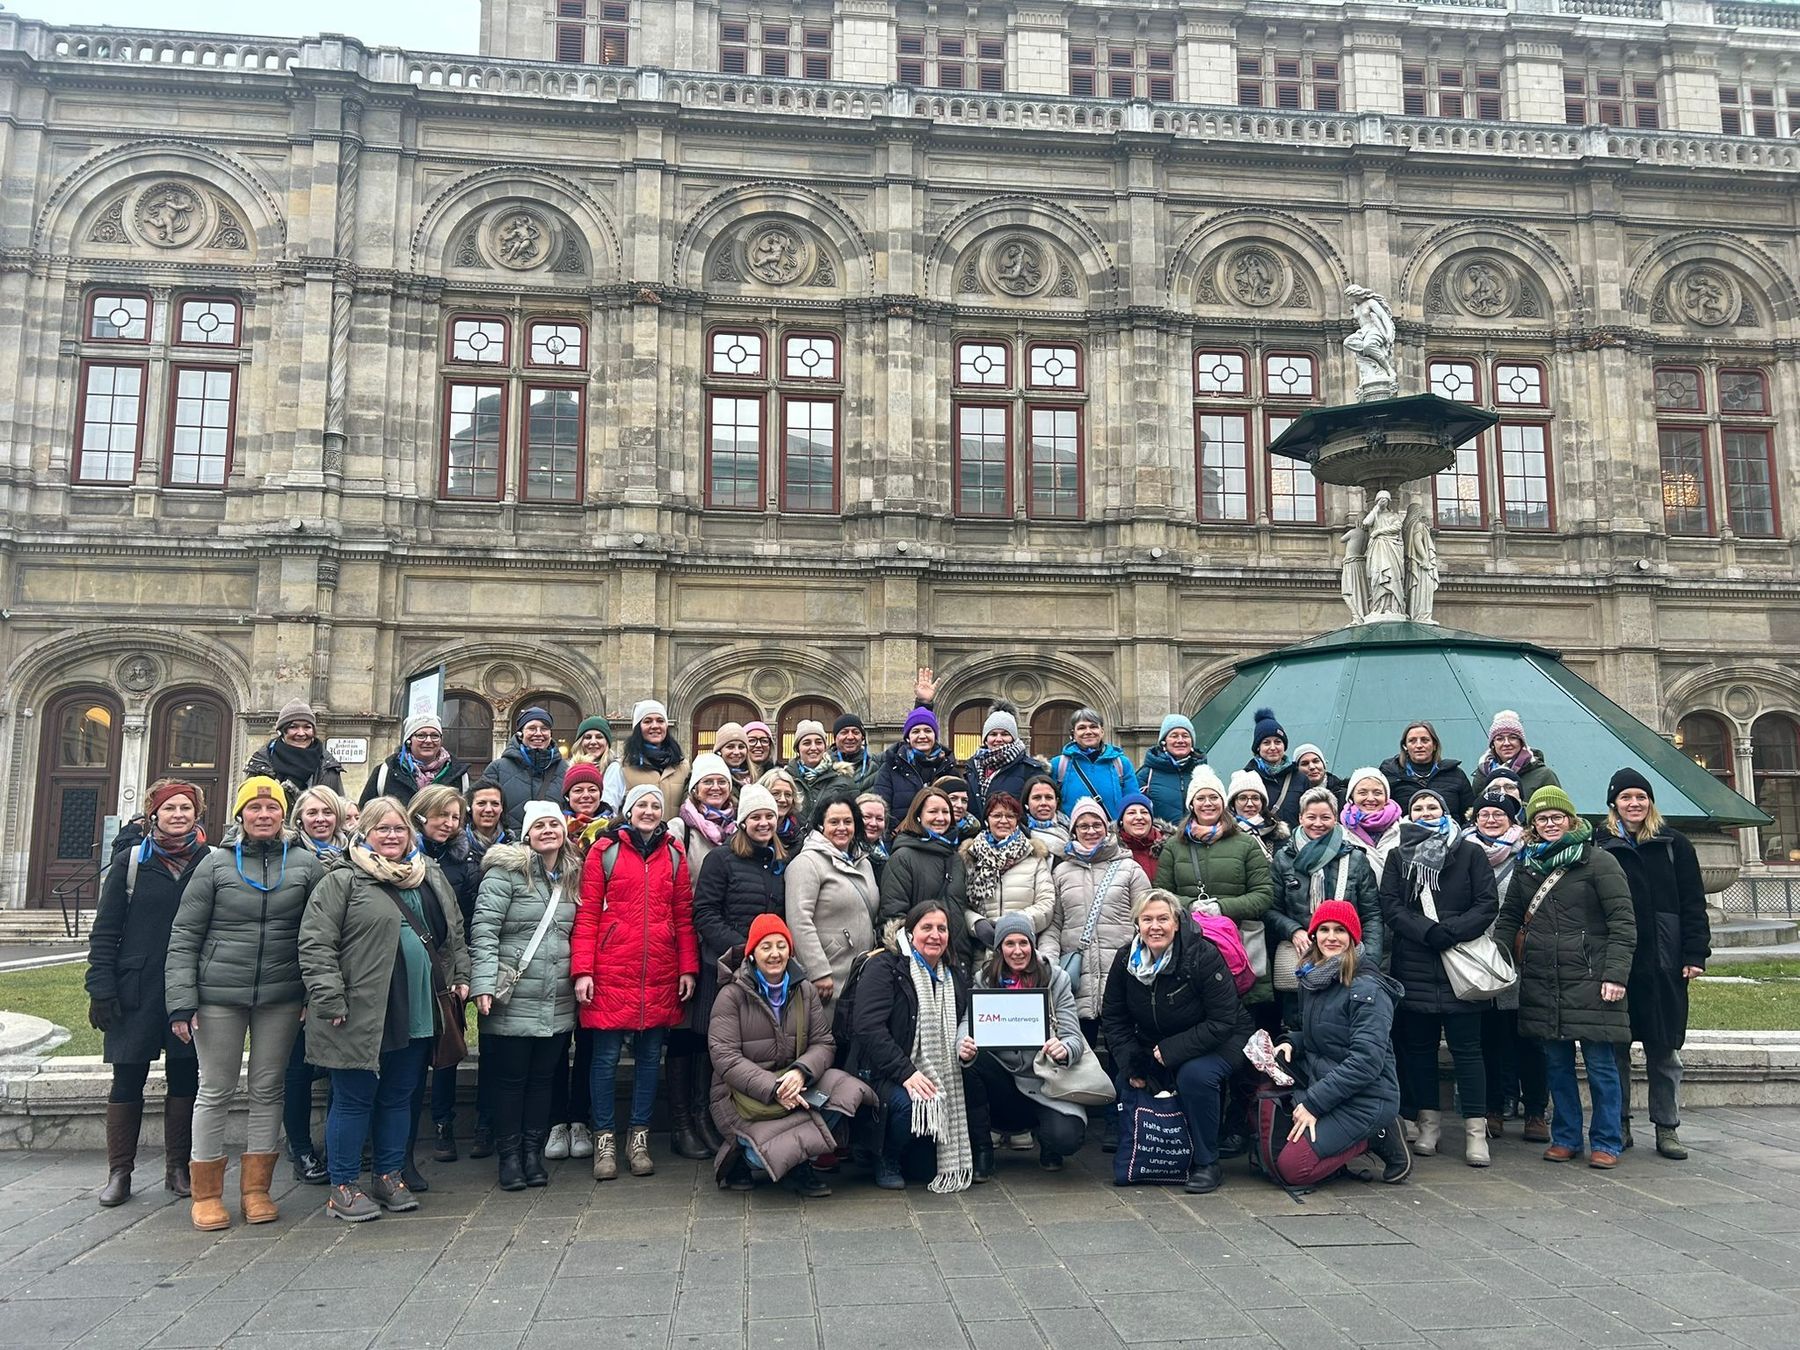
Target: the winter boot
pixel 684 1135
pixel 637 1151
pixel 390 1191
pixel 888 1175
pixel 209 1213
pixel 481 1144
pixel 1496 1125
pixel 1431 1129
pixel 1389 1144
pixel 443 1142
pixel 1537 1130
pixel 1625 1132
pixel 808 1183
pixel 702 1104
pixel 122 1121
pixel 1475 1146
pixel 606 1156
pixel 255 1172
pixel 178 1144
pixel 984 1162
pixel 1668 1143
pixel 531 1158
pixel 512 1163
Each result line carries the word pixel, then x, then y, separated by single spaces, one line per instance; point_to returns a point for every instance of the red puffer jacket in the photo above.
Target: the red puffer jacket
pixel 634 933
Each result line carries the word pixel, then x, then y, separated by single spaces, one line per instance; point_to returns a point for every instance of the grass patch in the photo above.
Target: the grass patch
pixel 1758 970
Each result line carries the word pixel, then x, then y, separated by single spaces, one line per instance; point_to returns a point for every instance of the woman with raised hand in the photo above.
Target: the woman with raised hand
pixel 1004 869
pixel 924 864
pixel 919 760
pixel 650 756
pixel 832 897
pixel 1003 764
pixel 1421 764
pixel 295 757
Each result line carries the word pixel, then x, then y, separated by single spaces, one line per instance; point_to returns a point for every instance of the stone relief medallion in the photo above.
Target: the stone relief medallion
pixel 1484 288
pixel 1741 701
pixel 170 215
pixel 770 685
pixel 519 240
pixel 1706 296
pixel 777 255
pixel 139 674
pixel 1024 690
pixel 1018 266
pixel 1255 277
pixel 502 679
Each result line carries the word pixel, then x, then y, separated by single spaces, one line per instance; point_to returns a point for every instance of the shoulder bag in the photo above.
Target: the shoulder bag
pixel 1083 1083
pixel 747 1107
pixel 1477 969
pixel 1543 891
pixel 506 977
pixel 1286 966
pixel 452 1046
pixel 1254 936
pixel 1071 962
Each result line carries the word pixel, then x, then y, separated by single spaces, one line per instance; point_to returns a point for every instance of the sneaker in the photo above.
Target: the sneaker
pixel 1668 1143
pixel 581 1142
pixel 392 1193
pixel 1021 1142
pixel 556 1147
pixel 351 1205
pixel 443 1143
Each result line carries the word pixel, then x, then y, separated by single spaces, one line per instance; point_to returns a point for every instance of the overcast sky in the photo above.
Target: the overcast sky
pixel 424 25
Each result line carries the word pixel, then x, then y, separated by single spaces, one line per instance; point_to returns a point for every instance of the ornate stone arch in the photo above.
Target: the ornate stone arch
pixel 114 202
pixel 1056 678
pixel 1306 271
pixel 1739 693
pixel 1525 264
pixel 476 199
pixel 501 671
pixel 971 255
pixel 1203 682
pixel 105 654
pixel 749 670
pixel 830 249
pixel 1765 293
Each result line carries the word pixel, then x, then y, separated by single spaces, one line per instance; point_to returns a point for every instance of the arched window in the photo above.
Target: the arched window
pixel 1050 728
pixel 564 717
pixel 469 730
pixel 1775 762
pixel 821 710
pixel 1706 740
pixel 715 713
pixel 965 728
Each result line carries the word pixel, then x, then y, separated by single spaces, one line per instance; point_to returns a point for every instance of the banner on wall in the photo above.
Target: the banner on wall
pixel 424 694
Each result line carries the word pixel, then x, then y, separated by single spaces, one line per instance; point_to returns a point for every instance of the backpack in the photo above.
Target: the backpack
pixel 1223 934
pixel 1062 765
pixel 609 857
pixel 1271 1117
pixel 843 1015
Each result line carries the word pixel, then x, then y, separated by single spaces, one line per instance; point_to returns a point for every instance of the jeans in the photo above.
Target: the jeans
pixel 1011 1111
pixel 1417 1034
pixel 646 1051
pixel 1198 1083
pixel 219 1043
pixel 1605 1130
pixel 365 1103
pixel 181 1074
pixel 522 1068
pixel 297 1097
pixel 1662 1069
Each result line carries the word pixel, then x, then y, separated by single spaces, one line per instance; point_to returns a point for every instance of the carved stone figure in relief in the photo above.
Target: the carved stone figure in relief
pixel 169 215
pixel 1355 581
pixel 1019 267
pixel 1372 344
pixel 1706 296
pixel 1386 553
pixel 1253 277
pixel 1421 564
pixel 773 255
pixel 519 241
pixel 1484 289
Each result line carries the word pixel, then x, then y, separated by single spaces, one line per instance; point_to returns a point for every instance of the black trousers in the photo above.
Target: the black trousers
pixel 128 1080
pixel 1419 1033
pixel 571 1099
pixel 1003 1107
pixel 525 1069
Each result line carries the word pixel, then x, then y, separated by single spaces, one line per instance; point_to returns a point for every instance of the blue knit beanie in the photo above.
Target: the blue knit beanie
pixel 1170 723
pixel 1266 726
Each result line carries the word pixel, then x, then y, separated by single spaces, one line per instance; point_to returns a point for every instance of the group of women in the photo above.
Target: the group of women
pixel 790 951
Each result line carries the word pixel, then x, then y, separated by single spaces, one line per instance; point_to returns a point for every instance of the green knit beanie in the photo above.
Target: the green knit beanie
pixel 1550 799
pixel 595 723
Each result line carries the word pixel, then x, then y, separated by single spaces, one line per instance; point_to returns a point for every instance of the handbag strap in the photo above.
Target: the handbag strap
pixel 422 931
pixel 1106 881
pixel 537 938
pixel 1543 891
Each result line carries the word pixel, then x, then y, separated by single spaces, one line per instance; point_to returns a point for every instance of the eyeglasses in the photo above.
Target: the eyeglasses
pixel 426 736
pixel 1549 818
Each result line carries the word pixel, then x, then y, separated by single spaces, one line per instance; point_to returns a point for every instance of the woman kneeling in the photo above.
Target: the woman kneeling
pixel 775 1096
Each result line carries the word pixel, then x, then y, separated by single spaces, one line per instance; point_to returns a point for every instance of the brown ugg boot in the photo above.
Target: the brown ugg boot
pixel 255 1172
pixel 208 1178
pixel 122 1121
pixel 178 1144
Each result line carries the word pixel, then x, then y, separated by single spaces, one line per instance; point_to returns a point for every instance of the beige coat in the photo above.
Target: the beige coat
pixel 1025 886
pixel 1076 882
pixel 831 907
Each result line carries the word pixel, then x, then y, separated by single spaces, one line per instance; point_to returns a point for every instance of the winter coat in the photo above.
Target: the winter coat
pixel 1272 834
pixel 831 908
pixel 262 763
pixel 1295 901
pixel 1075 882
pixel 461 868
pixel 518 783
pixel 1284 789
pixel 1106 776
pixel 634 932
pixel 1146 850
pixel 1190 1009
pixel 127 945
pixel 233 945
pixel 887 1018
pixel 751 1048
pixel 350 958
pixel 1010 780
pixel 1067 1024
pixel 903 776
pixel 621 777
pixel 390 779
pixel 1165 784
pixel 1232 871
pixel 1344 1054
pixel 1583 935
pixel 1026 886
pixel 515 890
pixel 1445 778
pixel 730 893
pixel 699 847
pixel 1669 905
pixel 917 869
pixel 1537 775
pixel 1053 834
pixel 1466 902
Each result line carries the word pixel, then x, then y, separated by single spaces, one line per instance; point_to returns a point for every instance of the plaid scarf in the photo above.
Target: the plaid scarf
pixel 944 1119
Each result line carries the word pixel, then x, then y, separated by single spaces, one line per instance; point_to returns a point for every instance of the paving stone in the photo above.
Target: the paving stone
pixel 866 1328
pixel 986 1298
pixel 783 1333
pixel 647 1295
pixel 207 1323
pixel 905 1282
pixel 1137 1319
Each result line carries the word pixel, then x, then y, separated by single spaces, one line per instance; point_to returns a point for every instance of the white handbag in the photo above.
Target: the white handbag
pixel 1083 1083
pixel 1477 969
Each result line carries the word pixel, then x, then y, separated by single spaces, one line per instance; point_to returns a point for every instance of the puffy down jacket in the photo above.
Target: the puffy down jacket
pixel 634 932
pixel 235 944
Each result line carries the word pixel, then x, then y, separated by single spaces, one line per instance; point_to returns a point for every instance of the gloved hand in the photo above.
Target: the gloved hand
pixel 104 1013
pixel 984 932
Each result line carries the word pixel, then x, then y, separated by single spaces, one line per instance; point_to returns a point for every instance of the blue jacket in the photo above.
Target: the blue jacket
pixel 1165 784
pixel 1344 1054
pixel 1106 776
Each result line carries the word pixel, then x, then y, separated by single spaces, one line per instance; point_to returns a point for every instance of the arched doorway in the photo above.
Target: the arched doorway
pixel 469 730
pixel 1050 728
pixel 715 713
pixel 78 786
pixel 190 738
pixel 821 710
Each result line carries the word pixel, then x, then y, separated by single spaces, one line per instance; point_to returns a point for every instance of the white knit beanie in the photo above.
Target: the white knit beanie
pixel 709 763
pixel 1202 779
pixel 1374 775
pixel 1246 781
pixel 755 797
pixel 808 727
pixel 420 722
pixel 647 707
pixel 1087 806
pixel 1000 720
pixel 637 794
pixel 536 811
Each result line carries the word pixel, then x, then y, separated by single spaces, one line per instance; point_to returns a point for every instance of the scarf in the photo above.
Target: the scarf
pixel 1314 853
pixel 1518 763
pixel 987 763
pixel 1547 857
pixel 943 839
pixel 1273 768
pixel 715 825
pixel 989 860
pixel 1620 830
pixel 1056 822
pixel 787 829
pixel 811 780
pixel 1501 849
pixel 293 764
pixel 424 772
pixel 776 994
pixel 407 873
pixel 944 1119
pixel 1369 826
pixel 1423 848
pixel 1317 975
pixel 1204 834
pixel 857 767
pixel 1412 770
pixel 659 756
pixel 539 762
pixel 326 850
pixel 1143 966
pixel 1254 824
pixel 481 843
pixel 173 852
pixel 1076 852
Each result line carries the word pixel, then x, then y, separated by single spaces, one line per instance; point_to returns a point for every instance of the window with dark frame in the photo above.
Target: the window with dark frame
pixel 510 401
pixel 776 49
pixel 1436 88
pixel 1242 402
pixel 793 389
pixel 1736 419
pixel 1041 399
pixel 1287 81
pixel 1459 495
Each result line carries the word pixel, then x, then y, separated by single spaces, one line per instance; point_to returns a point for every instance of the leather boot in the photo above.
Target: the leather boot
pixel 1475 1142
pixel 1389 1145
pixel 637 1151
pixel 512 1163
pixel 178 1144
pixel 606 1156
pixel 255 1172
pixel 531 1158
pixel 702 1104
pixel 122 1122
pixel 685 1138
pixel 983 1163
pixel 209 1213
pixel 1430 1132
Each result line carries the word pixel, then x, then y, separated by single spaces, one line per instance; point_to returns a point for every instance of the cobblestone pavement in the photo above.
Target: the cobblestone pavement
pixel 1526 1254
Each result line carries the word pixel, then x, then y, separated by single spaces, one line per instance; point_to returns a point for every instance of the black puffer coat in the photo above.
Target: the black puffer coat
pixel 901 778
pixel 519 783
pixel 1011 779
pixel 729 895
pixel 1191 1009
pixel 1466 904
pixel 1284 790
pixel 127 945
pixel 461 867
pixel 917 869
pixel 1345 1053
pixel 1583 935
pixel 1446 779
pixel 1669 903
pixel 887 1017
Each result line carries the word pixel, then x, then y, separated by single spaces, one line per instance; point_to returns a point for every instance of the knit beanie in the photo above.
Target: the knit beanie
pixel 1503 800
pixel 647 707
pixel 1505 720
pixel 1131 799
pixel 920 717
pixel 1244 780
pixel 420 722
pixel 763 727
pixel 637 794
pixel 1432 793
pixel 174 788
pixel 846 722
pixel 1369 773
pixel 707 765
pixel 1306 748
pixel 1319 794
pixel 536 811
pixel 808 727
pixel 577 774
pixel 1000 719
pixel 1174 721
pixel 1337 911
pixel 755 797
pixel 295 710
pixel 730 734
pixel 1203 779
pixel 1088 806
pixel 1266 726
pixel 767 925
pixel 1014 921
pixel 1624 780
pixel 532 714
pixel 1085 715
pixel 259 786
pixel 1550 799
pixel 595 723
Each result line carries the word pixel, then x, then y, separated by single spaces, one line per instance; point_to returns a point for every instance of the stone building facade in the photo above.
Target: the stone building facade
pixel 754 355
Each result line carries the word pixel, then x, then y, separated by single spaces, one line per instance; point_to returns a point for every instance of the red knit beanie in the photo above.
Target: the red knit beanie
pixel 583 772
pixel 1337 911
pixel 174 788
pixel 767 925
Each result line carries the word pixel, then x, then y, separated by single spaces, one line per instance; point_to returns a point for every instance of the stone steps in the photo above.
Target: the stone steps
pixel 1755 933
pixel 37 927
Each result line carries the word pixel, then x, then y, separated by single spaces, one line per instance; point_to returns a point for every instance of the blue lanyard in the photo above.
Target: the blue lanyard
pixel 257 885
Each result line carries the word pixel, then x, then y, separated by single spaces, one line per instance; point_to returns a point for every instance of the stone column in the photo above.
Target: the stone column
pixel 1372 71
pixel 1207 62
pixel 1744 769
pixel 1691 89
